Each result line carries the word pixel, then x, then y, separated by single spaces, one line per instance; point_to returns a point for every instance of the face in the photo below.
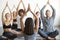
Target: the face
pixel 7 16
pixel 21 13
pixel 48 14
pixel 38 14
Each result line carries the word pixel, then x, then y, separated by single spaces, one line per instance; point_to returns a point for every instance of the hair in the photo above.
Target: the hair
pixel 37 12
pixel 19 12
pixel 47 11
pixel 29 26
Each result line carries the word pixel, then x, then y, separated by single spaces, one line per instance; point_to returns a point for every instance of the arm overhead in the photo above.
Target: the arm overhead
pixel 42 12
pixel 53 13
pixel 21 23
pixel 18 7
pixel 23 5
pixel 36 7
pixel 3 13
pixel 37 20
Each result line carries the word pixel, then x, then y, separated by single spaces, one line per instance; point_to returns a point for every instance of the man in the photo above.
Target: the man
pixel 48 22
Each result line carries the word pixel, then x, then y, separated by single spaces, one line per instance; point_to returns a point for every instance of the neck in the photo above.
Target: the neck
pixel 7 20
pixel 48 17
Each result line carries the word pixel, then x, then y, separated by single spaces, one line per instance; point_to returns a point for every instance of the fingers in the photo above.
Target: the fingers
pixel 48 3
pixel 7 4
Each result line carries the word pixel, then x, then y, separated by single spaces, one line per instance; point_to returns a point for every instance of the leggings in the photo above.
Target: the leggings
pixel 9 35
pixel 46 35
pixel 3 38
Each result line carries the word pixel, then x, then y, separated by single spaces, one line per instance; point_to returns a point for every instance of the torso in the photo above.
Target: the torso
pixel 48 24
pixel 30 37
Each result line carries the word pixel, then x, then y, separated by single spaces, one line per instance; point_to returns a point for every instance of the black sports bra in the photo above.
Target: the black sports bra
pixel 6 26
pixel 14 20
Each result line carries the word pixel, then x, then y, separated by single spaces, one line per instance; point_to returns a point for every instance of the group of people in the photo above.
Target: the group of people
pixel 31 28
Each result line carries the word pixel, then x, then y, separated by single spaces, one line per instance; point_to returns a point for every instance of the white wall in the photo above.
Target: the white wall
pixel 33 3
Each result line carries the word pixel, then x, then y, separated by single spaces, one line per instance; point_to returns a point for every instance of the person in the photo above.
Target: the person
pixel 28 29
pixel 39 16
pixel 21 12
pixel 48 22
pixel 8 32
pixel 14 24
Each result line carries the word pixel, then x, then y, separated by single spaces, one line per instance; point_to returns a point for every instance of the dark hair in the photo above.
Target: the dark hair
pixel 19 12
pixel 29 26
pixel 37 12
pixel 47 11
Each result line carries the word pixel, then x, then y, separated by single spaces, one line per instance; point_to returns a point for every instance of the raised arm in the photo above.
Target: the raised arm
pixel 9 8
pixel 23 5
pixel 53 13
pixel 18 7
pixel 21 23
pixel 37 21
pixel 10 13
pixel 13 7
pixel 42 12
pixel 36 7
pixel 3 14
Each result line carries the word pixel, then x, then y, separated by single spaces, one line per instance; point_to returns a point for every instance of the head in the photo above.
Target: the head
pixel 14 14
pixel 48 13
pixel 38 13
pixel 21 12
pixel 7 16
pixel 29 26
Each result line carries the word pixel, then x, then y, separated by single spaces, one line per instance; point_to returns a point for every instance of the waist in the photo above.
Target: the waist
pixel 7 30
pixel 14 22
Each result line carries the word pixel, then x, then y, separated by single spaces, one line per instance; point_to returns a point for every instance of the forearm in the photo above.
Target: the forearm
pixel 22 25
pixel 42 12
pixel 24 6
pixel 3 14
pixel 53 13
pixel 37 25
pixel 9 9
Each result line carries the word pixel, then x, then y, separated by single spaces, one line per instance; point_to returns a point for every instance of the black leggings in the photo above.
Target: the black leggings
pixel 14 26
pixel 46 35
pixel 3 38
pixel 9 35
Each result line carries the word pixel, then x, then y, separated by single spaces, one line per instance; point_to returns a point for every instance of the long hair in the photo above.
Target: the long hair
pixel 29 26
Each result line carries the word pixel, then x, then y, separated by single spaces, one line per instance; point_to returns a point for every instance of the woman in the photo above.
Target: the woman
pixel 38 15
pixel 8 32
pixel 14 25
pixel 28 29
pixel 16 18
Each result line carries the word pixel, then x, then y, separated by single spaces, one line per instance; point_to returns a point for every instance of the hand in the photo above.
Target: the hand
pixel 21 1
pixel 7 4
pixel 37 5
pixel 48 3
pixel 50 38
